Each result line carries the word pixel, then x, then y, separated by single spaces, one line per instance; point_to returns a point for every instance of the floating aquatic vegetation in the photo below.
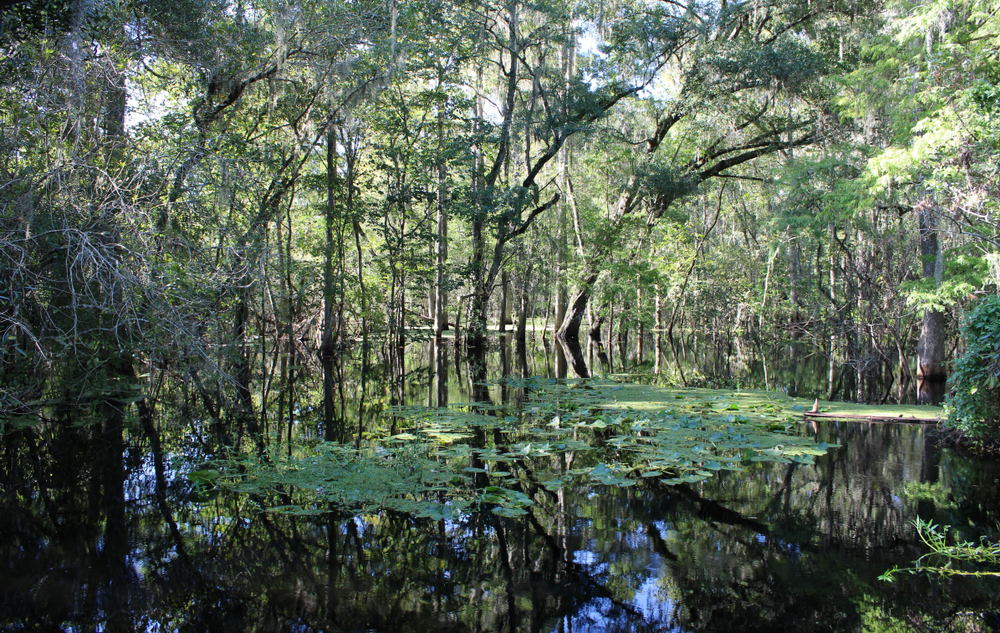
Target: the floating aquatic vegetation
pixel 448 462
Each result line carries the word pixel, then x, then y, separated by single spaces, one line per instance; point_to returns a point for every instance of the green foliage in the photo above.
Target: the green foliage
pixel 964 558
pixel 787 63
pixel 963 276
pixel 986 97
pixel 667 181
pixel 974 402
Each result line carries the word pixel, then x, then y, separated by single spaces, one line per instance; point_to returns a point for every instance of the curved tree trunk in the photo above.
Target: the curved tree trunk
pixel 570 328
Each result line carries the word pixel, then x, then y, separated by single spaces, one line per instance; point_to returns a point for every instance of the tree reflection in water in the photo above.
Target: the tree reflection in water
pixel 98 534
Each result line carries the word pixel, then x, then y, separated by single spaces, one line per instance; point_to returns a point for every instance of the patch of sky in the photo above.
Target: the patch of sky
pixel 595 616
pixel 650 600
pixel 585 557
pixel 146 106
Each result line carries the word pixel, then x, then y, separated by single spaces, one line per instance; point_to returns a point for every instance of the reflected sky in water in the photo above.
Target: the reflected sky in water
pixel 94 537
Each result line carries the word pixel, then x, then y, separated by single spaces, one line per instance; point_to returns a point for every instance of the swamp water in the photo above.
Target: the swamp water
pixel 579 505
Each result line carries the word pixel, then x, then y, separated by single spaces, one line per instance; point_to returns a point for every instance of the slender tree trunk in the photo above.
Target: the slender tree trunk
pixel 658 334
pixel 327 348
pixel 640 326
pixel 794 268
pixel 561 287
pixel 568 54
pixel 522 313
pixel 476 326
pixel 504 301
pixel 682 299
pixel 441 245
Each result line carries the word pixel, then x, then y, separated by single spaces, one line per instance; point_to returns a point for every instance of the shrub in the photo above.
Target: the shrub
pixel 974 399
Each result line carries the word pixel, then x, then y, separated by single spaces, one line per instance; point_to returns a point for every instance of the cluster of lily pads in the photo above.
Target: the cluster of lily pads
pixel 468 457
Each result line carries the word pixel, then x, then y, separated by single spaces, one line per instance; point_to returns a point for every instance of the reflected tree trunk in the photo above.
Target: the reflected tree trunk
pixel 522 359
pixel 159 473
pixel 929 472
pixel 476 368
pixel 572 351
pixel 333 565
pixel 504 344
pixel 109 461
pixel 440 352
pixel 559 349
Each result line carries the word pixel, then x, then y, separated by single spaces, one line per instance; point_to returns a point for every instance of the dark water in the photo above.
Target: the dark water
pixel 102 531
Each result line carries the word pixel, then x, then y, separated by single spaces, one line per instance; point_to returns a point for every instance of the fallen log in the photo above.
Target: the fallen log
pixel 854 417
pixel 815 413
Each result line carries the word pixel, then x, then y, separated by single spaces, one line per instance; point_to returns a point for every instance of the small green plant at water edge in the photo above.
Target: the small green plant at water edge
pixel 962 559
pixel 974 402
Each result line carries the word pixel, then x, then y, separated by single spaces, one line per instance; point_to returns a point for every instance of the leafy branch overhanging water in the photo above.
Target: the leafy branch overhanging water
pixel 964 558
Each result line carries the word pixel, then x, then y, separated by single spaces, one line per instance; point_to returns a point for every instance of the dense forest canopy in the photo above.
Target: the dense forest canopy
pixel 188 185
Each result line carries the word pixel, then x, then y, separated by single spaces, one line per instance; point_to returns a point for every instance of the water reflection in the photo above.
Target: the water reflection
pixel 100 532
pixel 818 367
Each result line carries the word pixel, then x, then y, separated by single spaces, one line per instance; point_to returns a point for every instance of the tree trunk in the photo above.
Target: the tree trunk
pixel 794 274
pixel 567 55
pixel 522 312
pixel 931 374
pixel 570 328
pixel 441 247
pixel 658 333
pixel 640 326
pixel 109 457
pixel 504 317
pixel 476 326
pixel 560 290
pixel 327 345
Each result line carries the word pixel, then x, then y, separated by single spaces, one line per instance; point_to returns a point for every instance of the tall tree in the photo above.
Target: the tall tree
pixel 931 84
pixel 746 81
pixel 539 107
